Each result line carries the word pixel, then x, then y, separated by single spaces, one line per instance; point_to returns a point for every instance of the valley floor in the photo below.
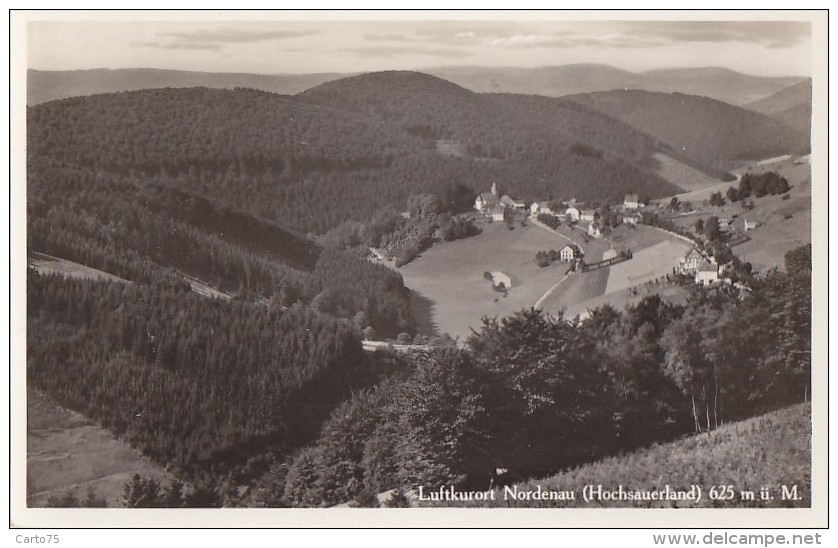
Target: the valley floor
pixel 451 294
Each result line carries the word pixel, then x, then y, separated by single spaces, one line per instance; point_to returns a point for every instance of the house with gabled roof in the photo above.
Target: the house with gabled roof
pixel 569 252
pixel 707 273
pixel 689 263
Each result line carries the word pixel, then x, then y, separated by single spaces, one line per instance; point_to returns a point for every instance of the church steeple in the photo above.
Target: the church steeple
pixel 495 189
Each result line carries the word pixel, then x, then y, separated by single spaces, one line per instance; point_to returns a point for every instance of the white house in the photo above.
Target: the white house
pixel 496 212
pixel 501 278
pixel 487 199
pixel 707 273
pixel 633 218
pixel 572 213
pixel 568 253
pixel 534 208
pixel 750 225
pixel 587 215
pixel 594 230
pixel 631 202
pixel 689 263
pixel 484 201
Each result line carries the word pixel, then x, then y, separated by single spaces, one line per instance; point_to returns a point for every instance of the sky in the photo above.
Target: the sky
pixel 765 48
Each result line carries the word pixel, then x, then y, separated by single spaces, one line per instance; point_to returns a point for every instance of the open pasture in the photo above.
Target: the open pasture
pixel 47 264
pixel 682 175
pixel 646 265
pixel 782 224
pixel 449 276
pixel 68 453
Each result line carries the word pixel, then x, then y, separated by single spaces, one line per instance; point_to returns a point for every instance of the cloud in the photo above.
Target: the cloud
pixel 395 51
pixel 567 40
pixel 521 40
pixel 394 38
pixel 772 34
pixel 215 40
pixel 466 34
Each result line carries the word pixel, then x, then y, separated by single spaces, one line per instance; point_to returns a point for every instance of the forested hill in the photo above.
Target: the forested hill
pixel 498 126
pixel 791 106
pixel 49 85
pixel 702 129
pixel 345 151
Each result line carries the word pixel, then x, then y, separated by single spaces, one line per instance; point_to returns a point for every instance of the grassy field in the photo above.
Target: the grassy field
pixel 451 295
pixel 575 292
pixel 783 225
pixel 647 265
pixel 683 175
pixel 620 299
pixel 67 453
pixel 47 264
pixel 767 451
pixel 449 276
pixel 655 253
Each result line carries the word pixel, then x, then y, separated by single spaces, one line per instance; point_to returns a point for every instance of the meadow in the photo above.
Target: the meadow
pixel 686 177
pixel 68 454
pixel 782 224
pixel 655 253
pixel 449 276
pixel 771 450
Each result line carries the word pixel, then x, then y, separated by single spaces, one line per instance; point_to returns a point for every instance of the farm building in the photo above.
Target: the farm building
pixel 609 253
pixel 496 213
pixel 572 213
pixel 750 225
pixel 631 202
pixel 499 278
pixel 512 203
pixel 569 253
pixel 707 273
pixel 595 230
pixel 587 215
pixel 541 207
pixel 689 263
pixel 633 218
pixel 486 200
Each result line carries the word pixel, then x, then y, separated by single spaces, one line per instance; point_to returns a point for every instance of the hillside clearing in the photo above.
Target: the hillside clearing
pixel 782 224
pixel 68 453
pixel 47 264
pixel 682 175
pixel 771 450
pixel 646 265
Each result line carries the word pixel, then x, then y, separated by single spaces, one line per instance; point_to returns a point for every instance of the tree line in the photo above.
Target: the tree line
pixel 203 385
pixel 531 395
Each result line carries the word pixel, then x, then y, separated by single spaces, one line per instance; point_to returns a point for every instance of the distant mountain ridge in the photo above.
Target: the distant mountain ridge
pixel 43 86
pixel 705 130
pixel 717 83
pixel 791 106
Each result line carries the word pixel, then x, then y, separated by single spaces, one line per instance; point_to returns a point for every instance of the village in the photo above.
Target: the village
pixel 568 257
pixel 598 223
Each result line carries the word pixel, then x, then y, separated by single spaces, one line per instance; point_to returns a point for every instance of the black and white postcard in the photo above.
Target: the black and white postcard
pixel 419 269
